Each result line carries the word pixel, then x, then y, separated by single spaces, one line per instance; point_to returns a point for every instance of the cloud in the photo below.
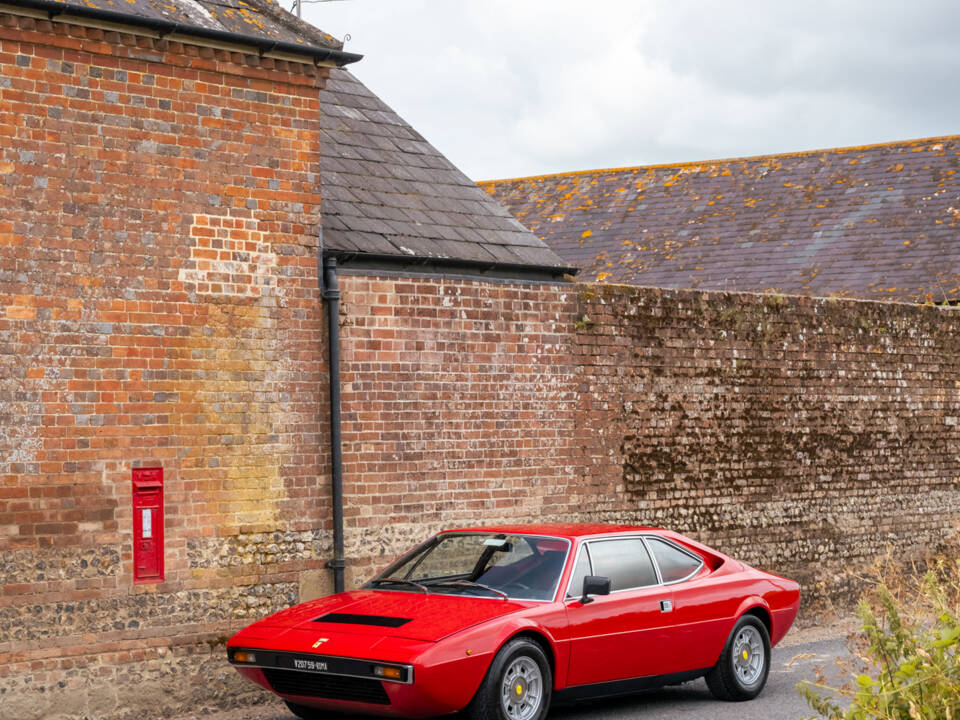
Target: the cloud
pixel 508 88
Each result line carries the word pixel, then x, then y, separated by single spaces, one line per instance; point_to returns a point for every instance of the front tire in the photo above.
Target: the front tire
pixel 741 672
pixel 517 686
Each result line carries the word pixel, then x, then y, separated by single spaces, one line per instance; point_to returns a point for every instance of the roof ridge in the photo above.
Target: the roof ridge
pixel 719 161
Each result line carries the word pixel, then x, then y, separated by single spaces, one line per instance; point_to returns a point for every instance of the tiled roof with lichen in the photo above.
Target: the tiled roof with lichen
pixel 263 19
pixel 876 222
pixel 387 191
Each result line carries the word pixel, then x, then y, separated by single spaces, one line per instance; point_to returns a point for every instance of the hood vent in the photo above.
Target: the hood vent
pixel 378 620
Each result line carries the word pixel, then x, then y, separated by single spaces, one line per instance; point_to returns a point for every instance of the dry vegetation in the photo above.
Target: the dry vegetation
pixel 904 660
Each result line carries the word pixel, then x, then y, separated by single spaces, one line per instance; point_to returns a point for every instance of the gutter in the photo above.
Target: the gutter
pixel 330 291
pixel 491 268
pixel 320 56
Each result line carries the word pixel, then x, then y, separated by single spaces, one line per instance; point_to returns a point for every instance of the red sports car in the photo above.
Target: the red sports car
pixel 503 621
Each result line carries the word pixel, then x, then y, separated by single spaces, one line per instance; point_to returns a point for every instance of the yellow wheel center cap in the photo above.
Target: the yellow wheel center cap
pixel 519 689
pixel 746 655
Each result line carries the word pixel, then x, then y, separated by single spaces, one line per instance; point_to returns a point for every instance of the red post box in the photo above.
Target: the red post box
pixel 147 525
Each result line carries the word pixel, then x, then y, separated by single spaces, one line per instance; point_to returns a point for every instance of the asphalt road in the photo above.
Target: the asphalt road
pixel 778 701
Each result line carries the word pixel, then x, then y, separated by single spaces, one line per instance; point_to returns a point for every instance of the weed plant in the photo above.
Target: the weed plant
pixel 905 662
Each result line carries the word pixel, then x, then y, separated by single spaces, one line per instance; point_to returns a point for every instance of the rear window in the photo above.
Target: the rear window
pixel 674 563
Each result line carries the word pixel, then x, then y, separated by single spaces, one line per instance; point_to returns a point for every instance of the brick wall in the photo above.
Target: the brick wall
pixel 801 435
pixel 459 405
pixel 158 306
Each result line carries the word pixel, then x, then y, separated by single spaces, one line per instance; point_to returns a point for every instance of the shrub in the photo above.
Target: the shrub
pixel 906 662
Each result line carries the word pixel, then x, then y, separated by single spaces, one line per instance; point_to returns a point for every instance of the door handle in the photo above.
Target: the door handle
pixel 666 606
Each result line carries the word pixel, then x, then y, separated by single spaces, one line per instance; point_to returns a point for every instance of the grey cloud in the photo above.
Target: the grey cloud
pixel 507 88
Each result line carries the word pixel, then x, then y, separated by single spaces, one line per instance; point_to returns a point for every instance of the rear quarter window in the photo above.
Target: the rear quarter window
pixel 674 563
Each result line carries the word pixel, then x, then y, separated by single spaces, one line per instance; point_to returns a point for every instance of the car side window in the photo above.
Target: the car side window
pixel 580 571
pixel 674 563
pixel 626 562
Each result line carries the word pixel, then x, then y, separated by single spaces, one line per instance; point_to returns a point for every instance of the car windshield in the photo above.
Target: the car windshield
pixel 519 567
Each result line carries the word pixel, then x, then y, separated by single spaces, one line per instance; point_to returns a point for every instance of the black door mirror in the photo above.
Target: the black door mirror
pixel 594 585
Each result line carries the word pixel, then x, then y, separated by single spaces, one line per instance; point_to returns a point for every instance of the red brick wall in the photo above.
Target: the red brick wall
pixel 800 435
pixel 805 436
pixel 459 403
pixel 158 306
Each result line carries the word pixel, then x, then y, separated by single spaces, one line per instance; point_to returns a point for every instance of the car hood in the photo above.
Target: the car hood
pixel 386 613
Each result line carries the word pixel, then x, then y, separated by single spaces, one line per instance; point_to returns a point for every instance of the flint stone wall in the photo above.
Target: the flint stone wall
pixel 157 681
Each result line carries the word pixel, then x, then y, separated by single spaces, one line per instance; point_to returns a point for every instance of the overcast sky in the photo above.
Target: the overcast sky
pixel 509 88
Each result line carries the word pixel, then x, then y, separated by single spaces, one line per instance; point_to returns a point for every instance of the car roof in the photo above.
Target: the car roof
pixel 570 531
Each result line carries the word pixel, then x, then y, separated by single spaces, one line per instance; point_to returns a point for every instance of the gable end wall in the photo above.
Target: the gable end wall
pixel 158 306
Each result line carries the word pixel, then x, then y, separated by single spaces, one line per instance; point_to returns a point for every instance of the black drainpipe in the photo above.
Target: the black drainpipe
pixel 331 293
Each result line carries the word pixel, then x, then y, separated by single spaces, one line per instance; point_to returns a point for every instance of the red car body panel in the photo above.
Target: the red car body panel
pixel 432 617
pixel 451 640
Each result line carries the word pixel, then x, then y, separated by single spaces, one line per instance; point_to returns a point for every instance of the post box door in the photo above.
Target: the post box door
pixel 148 525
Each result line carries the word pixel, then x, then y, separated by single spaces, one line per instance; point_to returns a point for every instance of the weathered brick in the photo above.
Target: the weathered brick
pixel 113 355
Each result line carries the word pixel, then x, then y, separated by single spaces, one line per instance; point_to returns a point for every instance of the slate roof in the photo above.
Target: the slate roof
pixel 387 191
pixel 254 19
pixel 876 222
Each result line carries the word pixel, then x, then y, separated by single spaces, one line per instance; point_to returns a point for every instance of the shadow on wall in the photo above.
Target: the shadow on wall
pixel 801 435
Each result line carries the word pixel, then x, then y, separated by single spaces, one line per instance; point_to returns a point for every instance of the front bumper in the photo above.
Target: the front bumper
pixel 327 665
pixel 350 685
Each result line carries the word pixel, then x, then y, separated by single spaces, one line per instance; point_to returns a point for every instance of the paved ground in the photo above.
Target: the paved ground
pixel 793 661
pixel 779 700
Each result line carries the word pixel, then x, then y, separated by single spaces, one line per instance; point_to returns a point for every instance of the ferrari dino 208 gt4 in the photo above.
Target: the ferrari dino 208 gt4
pixel 502 621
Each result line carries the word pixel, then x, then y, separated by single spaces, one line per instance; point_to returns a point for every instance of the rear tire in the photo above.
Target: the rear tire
pixel 741 672
pixel 517 686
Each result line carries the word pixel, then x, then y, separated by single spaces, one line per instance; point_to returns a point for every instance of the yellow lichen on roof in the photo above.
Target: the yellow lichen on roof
pixel 813 209
pixel 917 145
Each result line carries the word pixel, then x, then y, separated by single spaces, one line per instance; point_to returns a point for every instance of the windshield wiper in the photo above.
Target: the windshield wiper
pixel 469 583
pixel 399 581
